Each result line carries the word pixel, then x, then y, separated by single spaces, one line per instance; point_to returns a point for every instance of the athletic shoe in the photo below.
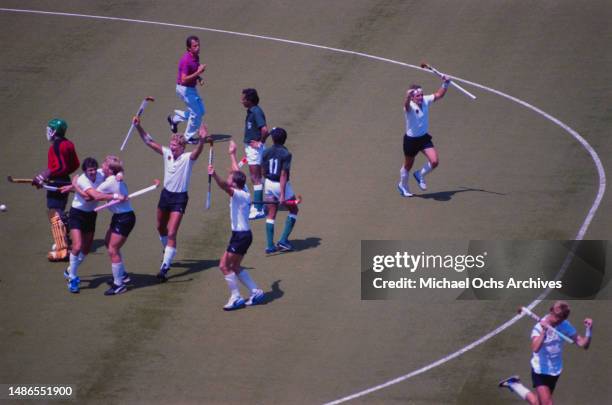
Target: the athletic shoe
pixel 173 125
pixel 506 382
pixel 270 250
pixel 256 214
pixel 116 289
pixel 161 276
pixel 126 279
pixel 404 191
pixel 420 180
pixel 234 303
pixel 284 246
pixel 256 297
pixel 73 285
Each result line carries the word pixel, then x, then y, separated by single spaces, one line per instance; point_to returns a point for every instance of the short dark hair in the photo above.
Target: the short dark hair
pixel 189 39
pixel 279 136
pixel 251 95
pixel 239 178
pixel 89 162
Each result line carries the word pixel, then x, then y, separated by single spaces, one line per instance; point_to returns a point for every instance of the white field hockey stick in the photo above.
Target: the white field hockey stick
pixel 210 162
pixel 526 311
pixel 134 194
pixel 138 114
pixel 440 74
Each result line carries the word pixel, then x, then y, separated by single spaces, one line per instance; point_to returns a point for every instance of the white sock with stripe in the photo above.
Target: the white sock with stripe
pixel 426 169
pixel 404 177
pixel 169 253
pixel 246 279
pixel 117 273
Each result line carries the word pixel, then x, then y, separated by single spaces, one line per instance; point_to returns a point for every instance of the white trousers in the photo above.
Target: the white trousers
pixel 195 110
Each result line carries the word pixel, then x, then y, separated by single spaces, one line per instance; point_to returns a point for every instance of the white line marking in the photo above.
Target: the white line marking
pixel 581 232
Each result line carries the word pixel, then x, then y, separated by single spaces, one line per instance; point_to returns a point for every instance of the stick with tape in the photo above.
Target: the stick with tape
pixel 297 201
pixel 440 74
pixel 134 194
pixel 210 162
pixel 138 114
pixel 526 311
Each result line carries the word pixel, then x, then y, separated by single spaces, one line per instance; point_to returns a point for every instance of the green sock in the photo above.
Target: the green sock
pixel 289 223
pixel 258 196
pixel 270 233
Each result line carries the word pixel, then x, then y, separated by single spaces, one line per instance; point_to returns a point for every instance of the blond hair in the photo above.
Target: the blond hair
pixel 180 139
pixel 115 165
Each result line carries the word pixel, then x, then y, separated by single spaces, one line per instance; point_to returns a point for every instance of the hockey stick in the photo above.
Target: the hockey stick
pixel 14 180
pixel 210 162
pixel 437 72
pixel 242 162
pixel 138 114
pixel 298 200
pixel 526 311
pixel 134 194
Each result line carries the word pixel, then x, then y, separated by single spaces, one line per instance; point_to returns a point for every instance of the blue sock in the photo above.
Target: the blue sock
pixel 270 233
pixel 258 195
pixel 289 224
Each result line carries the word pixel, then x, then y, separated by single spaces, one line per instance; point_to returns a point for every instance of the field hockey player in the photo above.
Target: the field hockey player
pixel 240 241
pixel 173 199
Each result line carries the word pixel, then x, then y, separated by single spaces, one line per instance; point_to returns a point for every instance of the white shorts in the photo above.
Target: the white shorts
pixel 272 190
pixel 254 155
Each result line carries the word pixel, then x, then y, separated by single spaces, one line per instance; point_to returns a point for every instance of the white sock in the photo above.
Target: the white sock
pixel 117 275
pixel 123 272
pixel 74 265
pixel 169 253
pixel 519 389
pixel 403 177
pixel 232 284
pixel 164 241
pixel 246 280
pixel 426 169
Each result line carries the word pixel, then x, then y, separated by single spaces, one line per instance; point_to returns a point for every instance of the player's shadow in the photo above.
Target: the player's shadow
pixel 96 244
pixel 139 280
pixel 274 294
pixel 448 195
pixel 301 244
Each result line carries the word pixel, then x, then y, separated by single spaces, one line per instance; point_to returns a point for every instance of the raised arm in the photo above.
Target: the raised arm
pixel 442 90
pixel 222 183
pixel 585 341
pixel 146 138
pixel 203 139
pixel 232 152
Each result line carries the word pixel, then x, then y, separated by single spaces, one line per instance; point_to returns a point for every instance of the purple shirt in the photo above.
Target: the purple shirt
pixel 187 65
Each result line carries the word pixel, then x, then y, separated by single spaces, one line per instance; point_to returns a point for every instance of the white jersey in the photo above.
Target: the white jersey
pixel 111 186
pixel 417 117
pixel 549 360
pixel 84 184
pixel 240 204
pixel 177 173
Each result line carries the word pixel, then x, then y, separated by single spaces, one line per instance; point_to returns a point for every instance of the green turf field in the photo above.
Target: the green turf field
pixel 506 173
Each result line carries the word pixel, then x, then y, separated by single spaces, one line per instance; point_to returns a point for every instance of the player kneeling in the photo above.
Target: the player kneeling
pixel 240 203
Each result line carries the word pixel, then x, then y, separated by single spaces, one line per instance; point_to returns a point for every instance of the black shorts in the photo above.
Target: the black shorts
pixel 544 379
pixel 169 201
pixel 239 242
pixel 412 146
pixel 123 223
pixel 57 200
pixel 83 220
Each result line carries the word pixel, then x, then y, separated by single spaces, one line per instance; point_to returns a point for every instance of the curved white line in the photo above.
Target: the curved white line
pixel 579 236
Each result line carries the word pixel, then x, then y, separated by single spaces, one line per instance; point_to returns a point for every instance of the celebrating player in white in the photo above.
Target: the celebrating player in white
pixel 240 203
pixel 173 200
pixel 417 138
pixel 547 354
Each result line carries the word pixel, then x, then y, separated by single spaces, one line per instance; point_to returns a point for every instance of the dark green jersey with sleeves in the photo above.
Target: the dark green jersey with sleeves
pixel 276 158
